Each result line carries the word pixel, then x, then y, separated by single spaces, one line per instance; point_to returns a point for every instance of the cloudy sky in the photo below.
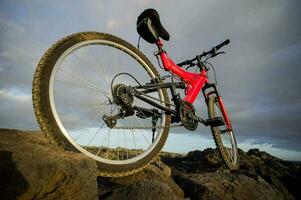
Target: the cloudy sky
pixel 258 76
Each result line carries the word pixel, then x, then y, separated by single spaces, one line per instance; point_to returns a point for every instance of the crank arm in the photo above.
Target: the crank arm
pixel 199 119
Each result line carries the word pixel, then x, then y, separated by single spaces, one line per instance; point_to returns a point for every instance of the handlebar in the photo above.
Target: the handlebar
pixel 226 42
pixel 186 62
pixel 213 52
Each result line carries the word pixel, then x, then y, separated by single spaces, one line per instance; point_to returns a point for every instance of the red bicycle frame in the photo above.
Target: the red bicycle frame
pixel 194 81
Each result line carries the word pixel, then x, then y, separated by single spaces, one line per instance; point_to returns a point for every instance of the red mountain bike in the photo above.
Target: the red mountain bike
pixel 97 94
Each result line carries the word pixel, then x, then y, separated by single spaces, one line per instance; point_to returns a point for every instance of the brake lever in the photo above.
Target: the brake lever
pixel 215 54
pixel 191 65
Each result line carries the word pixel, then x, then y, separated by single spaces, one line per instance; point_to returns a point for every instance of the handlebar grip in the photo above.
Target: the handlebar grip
pixel 222 44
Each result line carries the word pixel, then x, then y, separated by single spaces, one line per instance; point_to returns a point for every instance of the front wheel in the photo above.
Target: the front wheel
pixel 223 135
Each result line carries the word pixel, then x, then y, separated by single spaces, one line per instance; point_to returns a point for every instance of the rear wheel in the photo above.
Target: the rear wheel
pixel 72 92
pixel 223 135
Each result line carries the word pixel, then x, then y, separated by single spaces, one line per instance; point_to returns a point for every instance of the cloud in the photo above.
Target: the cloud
pixel 270 148
pixel 113 25
pixel 14 95
pixel 19 53
pixel 16 110
pixel 180 143
pixel 258 76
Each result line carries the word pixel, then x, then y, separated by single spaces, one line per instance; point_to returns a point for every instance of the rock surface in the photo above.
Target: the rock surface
pixel 145 189
pixel 202 175
pixel 155 180
pixel 221 185
pixel 31 168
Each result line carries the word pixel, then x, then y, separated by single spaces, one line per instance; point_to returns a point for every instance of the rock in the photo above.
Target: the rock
pixel 261 154
pixel 195 162
pixel 31 168
pixel 282 178
pixel 283 175
pixel 222 186
pixel 145 189
pixel 157 171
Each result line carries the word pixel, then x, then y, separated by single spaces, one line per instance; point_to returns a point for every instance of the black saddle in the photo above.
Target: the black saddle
pixel 149 26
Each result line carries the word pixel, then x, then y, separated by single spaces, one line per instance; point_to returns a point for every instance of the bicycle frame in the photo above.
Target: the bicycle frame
pixel 194 81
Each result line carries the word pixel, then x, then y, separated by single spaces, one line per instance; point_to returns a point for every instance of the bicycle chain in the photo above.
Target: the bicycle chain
pixel 146 127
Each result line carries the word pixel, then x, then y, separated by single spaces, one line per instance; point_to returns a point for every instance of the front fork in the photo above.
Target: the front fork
pixel 220 102
pixel 224 112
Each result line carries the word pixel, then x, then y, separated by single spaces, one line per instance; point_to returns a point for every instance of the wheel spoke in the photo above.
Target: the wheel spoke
pixel 132 131
pixel 115 61
pixel 140 129
pixel 89 66
pixel 102 68
pixel 79 77
pixel 105 103
pixel 89 88
pixel 127 153
pixel 92 108
pixel 118 146
pixel 92 121
pixel 108 146
pixel 95 135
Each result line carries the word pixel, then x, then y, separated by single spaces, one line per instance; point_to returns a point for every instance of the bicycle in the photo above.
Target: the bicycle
pixel 88 98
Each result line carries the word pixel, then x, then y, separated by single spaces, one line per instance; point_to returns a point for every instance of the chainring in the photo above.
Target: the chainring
pixel 186 112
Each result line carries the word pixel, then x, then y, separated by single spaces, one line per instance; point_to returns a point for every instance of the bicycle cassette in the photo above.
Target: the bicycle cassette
pixel 121 95
pixel 186 114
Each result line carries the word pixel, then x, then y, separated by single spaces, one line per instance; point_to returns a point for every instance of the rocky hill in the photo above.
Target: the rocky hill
pixel 31 168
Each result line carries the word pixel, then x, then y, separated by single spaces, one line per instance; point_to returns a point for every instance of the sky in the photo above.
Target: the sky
pixel 258 77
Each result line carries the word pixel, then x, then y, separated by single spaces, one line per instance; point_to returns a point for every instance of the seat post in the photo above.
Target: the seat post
pixel 159 44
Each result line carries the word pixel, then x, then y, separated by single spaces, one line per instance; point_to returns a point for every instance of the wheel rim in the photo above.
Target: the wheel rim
pixel 74 133
pixel 226 136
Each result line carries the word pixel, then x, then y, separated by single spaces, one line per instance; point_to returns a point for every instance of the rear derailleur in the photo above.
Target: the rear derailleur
pixel 123 97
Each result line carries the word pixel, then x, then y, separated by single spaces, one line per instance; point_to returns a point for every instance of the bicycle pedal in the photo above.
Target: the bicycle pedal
pixel 213 122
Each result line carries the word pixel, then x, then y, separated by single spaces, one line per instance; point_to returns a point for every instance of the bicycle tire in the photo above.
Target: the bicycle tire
pixel 231 163
pixel 45 116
